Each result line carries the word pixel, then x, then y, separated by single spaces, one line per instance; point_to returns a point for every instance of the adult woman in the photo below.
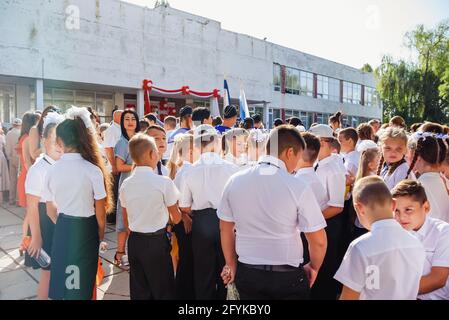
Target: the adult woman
pixel 129 124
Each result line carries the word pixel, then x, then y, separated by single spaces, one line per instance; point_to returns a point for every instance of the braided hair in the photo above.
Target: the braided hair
pixel 430 149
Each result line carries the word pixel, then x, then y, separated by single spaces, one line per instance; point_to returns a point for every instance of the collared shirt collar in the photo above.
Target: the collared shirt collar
pixel 210 158
pixel 327 160
pixel 305 170
pixel 384 224
pixel 421 233
pixel 273 161
pixel 72 156
pixel 49 159
pixel 144 169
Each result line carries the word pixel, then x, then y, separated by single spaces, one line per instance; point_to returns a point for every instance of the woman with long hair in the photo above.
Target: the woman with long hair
pixel 35 146
pixel 78 192
pixel 129 124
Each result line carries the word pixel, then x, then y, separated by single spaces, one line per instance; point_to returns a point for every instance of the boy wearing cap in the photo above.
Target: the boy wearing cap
pixel 12 138
pixel 333 180
pixel 201 191
pixel 229 119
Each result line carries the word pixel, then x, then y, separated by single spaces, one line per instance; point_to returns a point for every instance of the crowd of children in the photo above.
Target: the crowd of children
pixel 329 213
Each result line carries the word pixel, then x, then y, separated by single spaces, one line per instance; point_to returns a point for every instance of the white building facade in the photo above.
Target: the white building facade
pixel 98 52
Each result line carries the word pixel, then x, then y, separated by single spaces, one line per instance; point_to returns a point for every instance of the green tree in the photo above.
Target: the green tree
pixel 418 90
pixel 367 68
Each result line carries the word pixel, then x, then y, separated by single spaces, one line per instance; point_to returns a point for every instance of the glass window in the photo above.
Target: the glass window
pixel 306 83
pixel 7 102
pixel 104 104
pixel 85 99
pixel 305 119
pixel 292 81
pixel 322 87
pixel 371 97
pixel 63 98
pixel 320 118
pixel 334 89
pixel 352 93
pixel 277 77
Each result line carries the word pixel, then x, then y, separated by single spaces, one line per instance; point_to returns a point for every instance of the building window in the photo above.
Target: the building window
pixel 272 115
pixel 7 103
pixel 320 118
pixel 328 88
pixel 103 103
pixel 371 97
pixel 306 81
pixel 352 93
pixel 277 77
pixel 322 87
pixel 305 119
pixel 292 81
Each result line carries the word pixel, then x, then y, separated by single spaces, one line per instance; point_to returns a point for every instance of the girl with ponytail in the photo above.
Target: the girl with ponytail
pixel 80 186
pixel 429 155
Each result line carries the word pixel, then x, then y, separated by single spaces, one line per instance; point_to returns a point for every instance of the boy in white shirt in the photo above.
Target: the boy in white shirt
pixel 201 192
pixel 387 262
pixel 333 179
pixel 412 209
pixel 148 200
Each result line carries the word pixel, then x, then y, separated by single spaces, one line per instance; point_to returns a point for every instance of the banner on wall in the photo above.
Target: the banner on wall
pixel 163 109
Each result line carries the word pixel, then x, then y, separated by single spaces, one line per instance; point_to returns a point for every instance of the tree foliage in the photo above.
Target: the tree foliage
pixel 418 90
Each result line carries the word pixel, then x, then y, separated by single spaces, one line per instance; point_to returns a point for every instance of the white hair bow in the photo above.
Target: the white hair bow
pixel 52 117
pixel 82 113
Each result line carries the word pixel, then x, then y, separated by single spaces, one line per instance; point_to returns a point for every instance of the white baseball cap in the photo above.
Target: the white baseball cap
pixel 322 131
pixel 365 145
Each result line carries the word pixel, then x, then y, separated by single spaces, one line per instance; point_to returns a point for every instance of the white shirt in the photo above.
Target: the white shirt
pixel 384 264
pixel 333 179
pixel 167 153
pixel 437 195
pixel 204 182
pixel 74 184
pixel 270 207
pixel 397 176
pixel 112 135
pixel 309 177
pixel 12 138
pixel 164 170
pixel 351 163
pixel 339 160
pixel 434 235
pixel 180 174
pixel 146 196
pixel 35 179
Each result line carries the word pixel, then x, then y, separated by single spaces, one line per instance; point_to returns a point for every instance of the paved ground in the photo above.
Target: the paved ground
pixel 18 282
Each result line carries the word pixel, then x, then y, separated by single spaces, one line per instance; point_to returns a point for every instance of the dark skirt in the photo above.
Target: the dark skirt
pixel 74 258
pixel 47 229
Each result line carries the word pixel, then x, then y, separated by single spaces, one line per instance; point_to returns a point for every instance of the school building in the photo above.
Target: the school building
pixel 98 52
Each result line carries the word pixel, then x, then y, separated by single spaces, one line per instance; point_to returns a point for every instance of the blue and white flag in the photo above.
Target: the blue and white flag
pixel 227 96
pixel 244 110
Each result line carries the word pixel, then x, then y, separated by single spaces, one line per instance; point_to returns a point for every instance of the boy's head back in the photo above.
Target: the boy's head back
pixel 372 200
pixel 170 123
pixel 143 150
pixel 285 142
pixel 312 149
pixel 412 205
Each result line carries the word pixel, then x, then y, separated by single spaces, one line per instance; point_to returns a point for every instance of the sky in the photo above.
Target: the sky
pixel 352 32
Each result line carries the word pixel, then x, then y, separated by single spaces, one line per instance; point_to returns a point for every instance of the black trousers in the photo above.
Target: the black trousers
pixel 115 180
pixel 151 274
pixel 208 260
pixel 185 286
pixel 253 284
pixel 325 286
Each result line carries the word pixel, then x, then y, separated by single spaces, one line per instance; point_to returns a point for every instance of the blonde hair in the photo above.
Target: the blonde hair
pixel 371 191
pixel 139 144
pixel 366 157
pixel 181 144
pixel 391 133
